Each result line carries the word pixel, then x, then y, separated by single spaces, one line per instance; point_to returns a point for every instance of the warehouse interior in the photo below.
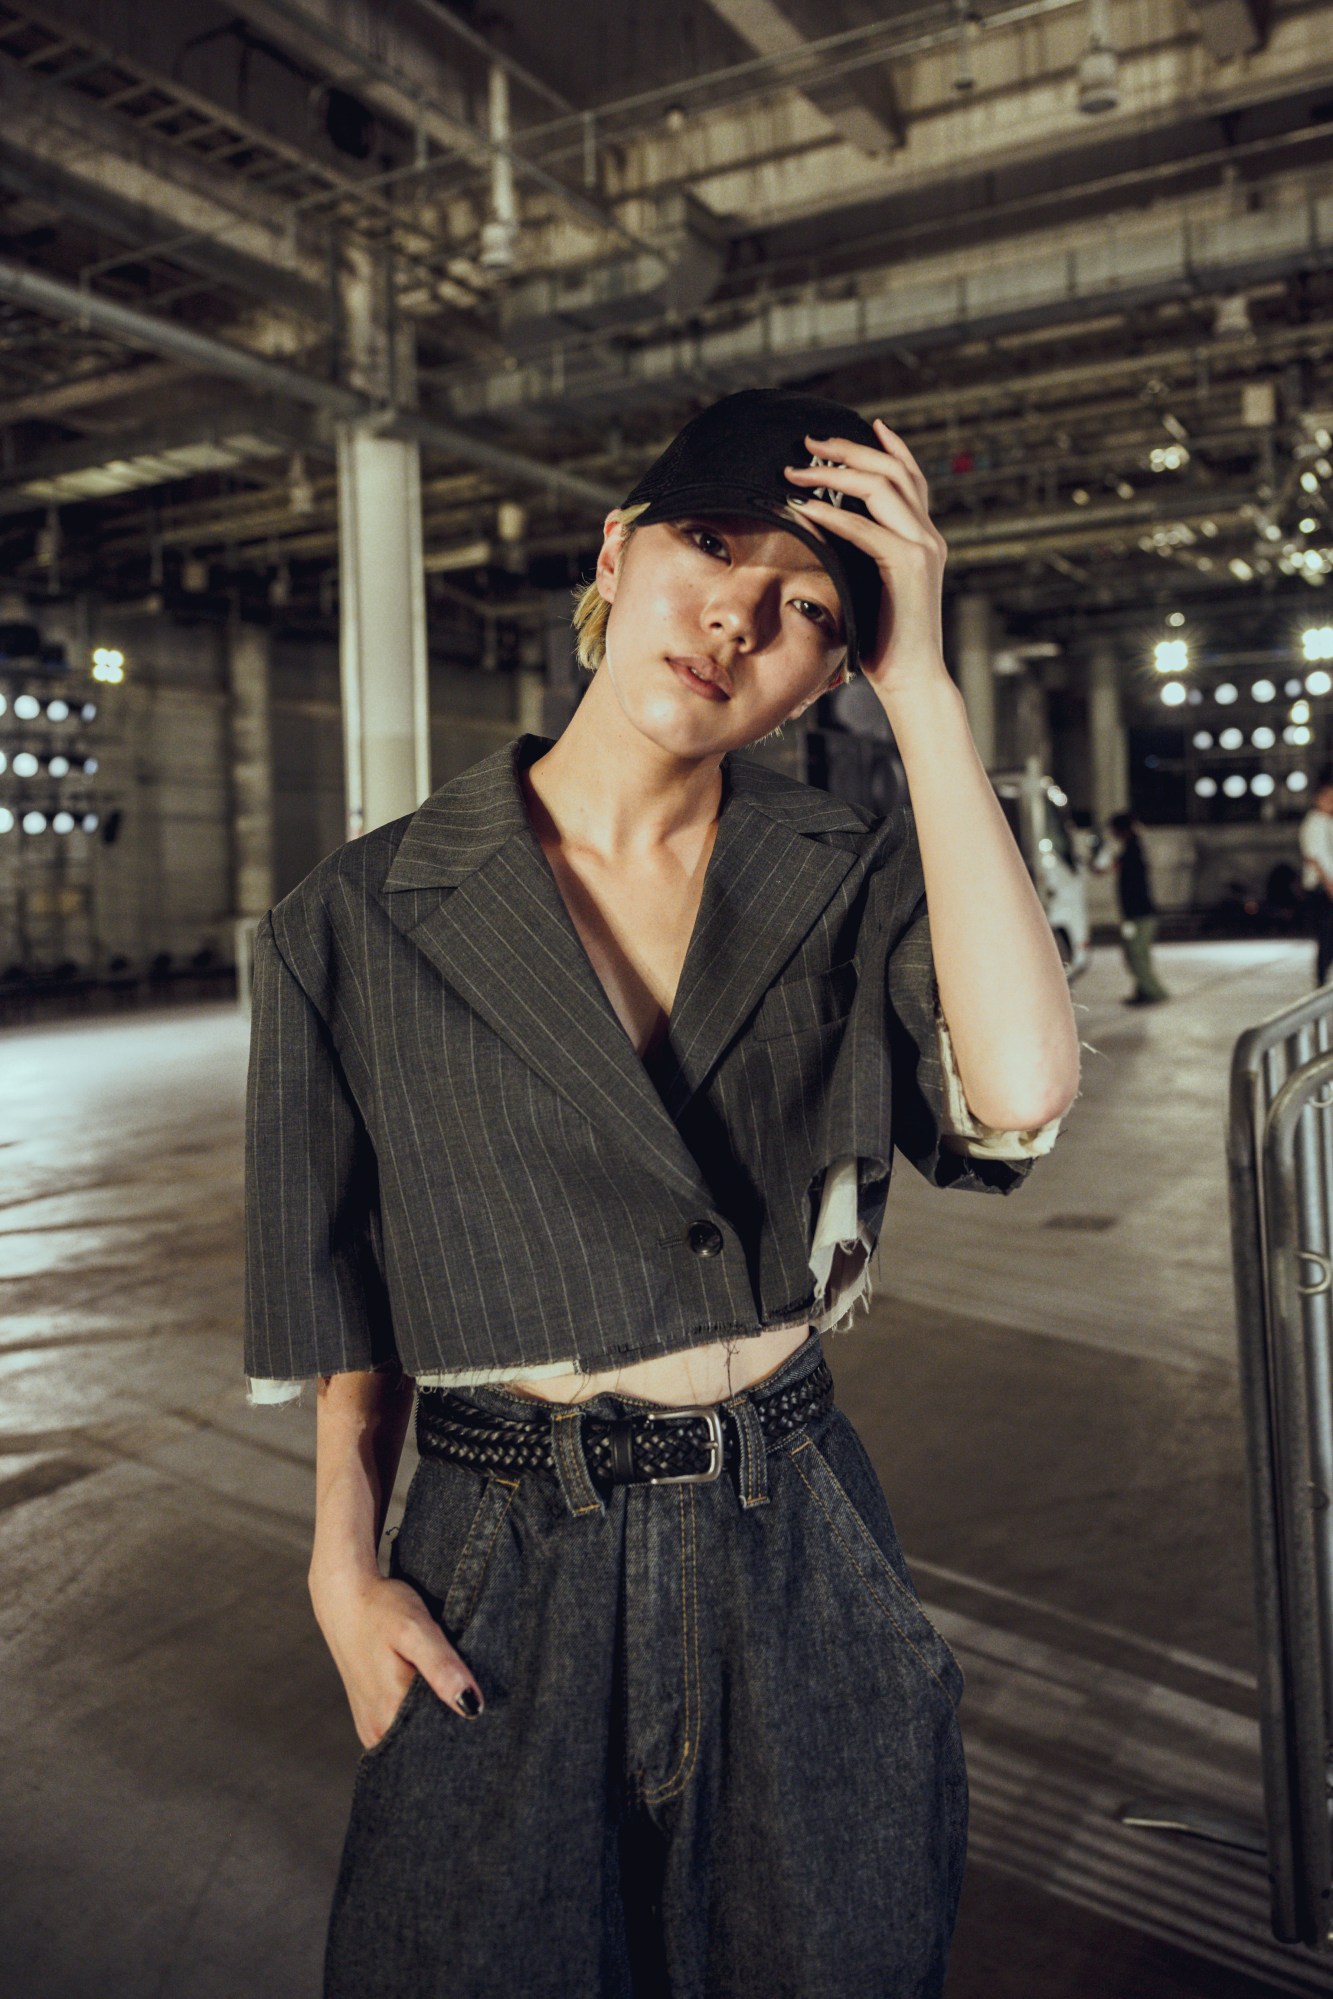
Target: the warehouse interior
pixel 329 333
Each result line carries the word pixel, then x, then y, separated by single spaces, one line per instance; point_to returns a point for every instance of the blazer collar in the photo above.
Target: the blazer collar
pixel 503 938
pixel 469 818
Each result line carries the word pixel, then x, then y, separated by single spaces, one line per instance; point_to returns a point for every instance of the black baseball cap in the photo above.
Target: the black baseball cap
pixel 731 459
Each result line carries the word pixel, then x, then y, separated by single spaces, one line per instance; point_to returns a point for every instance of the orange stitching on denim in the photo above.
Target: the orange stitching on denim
pixel 490 1550
pixel 673 1784
pixel 682 1775
pixel 564 1441
pixel 863 1579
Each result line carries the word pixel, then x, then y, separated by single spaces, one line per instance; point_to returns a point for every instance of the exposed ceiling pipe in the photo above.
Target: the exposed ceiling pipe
pixel 168 337
pixel 499 232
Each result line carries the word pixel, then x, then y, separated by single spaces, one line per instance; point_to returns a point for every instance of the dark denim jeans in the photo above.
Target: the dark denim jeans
pixel 719 1757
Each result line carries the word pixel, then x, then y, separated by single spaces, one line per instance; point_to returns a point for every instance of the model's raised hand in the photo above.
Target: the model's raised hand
pixel 902 540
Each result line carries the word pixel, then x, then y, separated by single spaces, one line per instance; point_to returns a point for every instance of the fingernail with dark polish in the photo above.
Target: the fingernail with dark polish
pixel 469 1703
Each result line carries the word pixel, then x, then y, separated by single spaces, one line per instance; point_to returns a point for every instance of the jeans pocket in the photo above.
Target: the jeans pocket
pixel 875 1559
pixel 475 1556
pixel 402 1714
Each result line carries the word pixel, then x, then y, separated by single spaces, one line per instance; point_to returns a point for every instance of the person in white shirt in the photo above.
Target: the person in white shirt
pixel 1317 875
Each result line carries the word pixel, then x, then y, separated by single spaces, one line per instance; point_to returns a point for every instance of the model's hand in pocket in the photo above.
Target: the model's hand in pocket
pixel 381 1634
pixel 377 1628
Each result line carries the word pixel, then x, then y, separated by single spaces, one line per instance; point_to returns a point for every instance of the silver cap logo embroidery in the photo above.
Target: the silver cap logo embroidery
pixel 834 499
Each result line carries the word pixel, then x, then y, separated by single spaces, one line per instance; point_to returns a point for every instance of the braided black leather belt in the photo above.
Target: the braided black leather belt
pixel 652 1447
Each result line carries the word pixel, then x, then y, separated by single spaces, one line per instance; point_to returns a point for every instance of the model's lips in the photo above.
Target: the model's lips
pixel 702 674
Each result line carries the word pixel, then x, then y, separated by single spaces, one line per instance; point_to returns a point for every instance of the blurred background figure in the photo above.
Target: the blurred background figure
pixel 1138 912
pixel 1317 875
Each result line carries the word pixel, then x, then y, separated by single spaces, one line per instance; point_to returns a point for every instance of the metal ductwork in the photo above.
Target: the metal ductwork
pixel 678 274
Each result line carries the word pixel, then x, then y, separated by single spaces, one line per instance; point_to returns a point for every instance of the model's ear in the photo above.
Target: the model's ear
pixel 836 679
pixel 608 560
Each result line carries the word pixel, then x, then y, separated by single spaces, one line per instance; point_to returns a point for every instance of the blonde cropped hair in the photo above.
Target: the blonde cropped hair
pixel 591 611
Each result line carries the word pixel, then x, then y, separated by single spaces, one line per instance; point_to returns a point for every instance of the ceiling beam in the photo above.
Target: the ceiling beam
pixel 169 338
pixel 861 105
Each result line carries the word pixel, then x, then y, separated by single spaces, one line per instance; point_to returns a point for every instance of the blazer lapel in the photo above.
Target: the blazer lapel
pixel 764 888
pixel 503 939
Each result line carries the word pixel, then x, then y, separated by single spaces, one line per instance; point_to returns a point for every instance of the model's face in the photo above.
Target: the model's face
pixel 719 630
pixel 1323 798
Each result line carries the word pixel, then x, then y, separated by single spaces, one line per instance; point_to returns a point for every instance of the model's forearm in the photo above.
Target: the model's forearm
pixel 360 1423
pixel 1002 986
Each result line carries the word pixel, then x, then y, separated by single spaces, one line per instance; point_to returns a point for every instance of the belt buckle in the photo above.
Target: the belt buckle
pixel 712 1415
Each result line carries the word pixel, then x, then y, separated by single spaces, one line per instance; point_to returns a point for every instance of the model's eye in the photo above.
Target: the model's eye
pixel 705 540
pixel 816 613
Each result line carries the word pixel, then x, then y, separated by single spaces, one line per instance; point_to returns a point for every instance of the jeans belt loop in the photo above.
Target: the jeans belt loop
pixel 581 1495
pixel 752 1465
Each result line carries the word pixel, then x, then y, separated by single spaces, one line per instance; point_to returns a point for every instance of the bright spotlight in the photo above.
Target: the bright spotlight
pixel 1318 682
pixel 1235 785
pixel 1300 711
pixel 1296 780
pixel 1206 787
pixel 1317 642
pixel 57 710
pixel 25 764
pixel 34 822
pixel 1202 739
pixel 1173 694
pixel 1309 483
pixel 89 822
pixel 27 707
pixel 63 823
pixel 1225 694
pixel 59 766
pixel 1262 785
pixel 1263 738
pixel 1171 655
pixel 1263 690
pixel 6 819
pixel 89 765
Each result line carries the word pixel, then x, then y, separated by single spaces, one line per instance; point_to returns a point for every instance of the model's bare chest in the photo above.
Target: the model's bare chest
pixel 635 925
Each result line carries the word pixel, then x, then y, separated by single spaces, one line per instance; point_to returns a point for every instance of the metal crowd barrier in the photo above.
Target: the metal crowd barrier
pixel 1280 1152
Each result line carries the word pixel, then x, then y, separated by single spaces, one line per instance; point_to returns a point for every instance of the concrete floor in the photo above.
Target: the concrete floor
pixel 1046 1384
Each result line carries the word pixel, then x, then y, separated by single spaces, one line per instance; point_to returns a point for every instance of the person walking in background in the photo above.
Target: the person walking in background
pixel 1317 875
pixel 1138 911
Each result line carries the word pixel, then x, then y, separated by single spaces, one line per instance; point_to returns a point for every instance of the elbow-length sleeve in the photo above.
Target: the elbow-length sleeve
pixel 932 1123
pixel 315 1295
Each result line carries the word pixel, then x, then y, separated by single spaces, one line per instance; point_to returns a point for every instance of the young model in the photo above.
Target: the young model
pixel 573 1099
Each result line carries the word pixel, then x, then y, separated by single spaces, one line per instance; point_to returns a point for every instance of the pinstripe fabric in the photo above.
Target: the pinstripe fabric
pixel 454 1156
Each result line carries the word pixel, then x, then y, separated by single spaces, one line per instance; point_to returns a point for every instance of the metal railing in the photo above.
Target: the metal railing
pixel 1280 1154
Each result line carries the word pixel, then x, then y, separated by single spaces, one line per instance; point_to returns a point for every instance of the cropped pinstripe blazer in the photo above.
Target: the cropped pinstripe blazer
pixel 455 1157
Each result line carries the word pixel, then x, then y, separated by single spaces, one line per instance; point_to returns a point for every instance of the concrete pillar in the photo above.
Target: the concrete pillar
pixel 1108 740
pixel 385 690
pixel 251 769
pixel 972 665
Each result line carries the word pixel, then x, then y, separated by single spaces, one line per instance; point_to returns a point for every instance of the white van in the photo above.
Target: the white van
pixel 1038 815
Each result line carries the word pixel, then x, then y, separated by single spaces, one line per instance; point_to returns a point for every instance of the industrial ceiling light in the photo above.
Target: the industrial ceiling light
pixel 1232 317
pixel 1099 70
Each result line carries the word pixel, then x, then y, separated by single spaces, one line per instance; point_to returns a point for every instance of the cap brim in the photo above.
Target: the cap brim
pixel 738 504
